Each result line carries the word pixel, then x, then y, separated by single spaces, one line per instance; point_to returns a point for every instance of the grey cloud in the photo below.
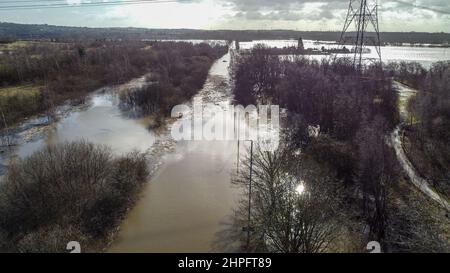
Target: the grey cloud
pixel 286 10
pixel 436 6
pixel 293 10
pixel 283 15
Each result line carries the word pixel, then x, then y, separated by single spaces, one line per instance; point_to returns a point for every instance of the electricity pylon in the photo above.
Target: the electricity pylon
pixel 364 15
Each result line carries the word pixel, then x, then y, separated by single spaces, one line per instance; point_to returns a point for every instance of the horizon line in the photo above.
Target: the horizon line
pixel 205 29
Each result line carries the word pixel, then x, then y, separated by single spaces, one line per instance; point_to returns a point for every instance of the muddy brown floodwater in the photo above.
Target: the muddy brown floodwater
pixel 190 196
pixel 99 121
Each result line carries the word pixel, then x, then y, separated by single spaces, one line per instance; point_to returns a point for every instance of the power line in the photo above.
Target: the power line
pixel 64 3
pixel 30 1
pixel 82 4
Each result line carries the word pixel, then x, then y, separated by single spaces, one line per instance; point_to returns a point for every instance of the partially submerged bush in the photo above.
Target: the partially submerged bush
pixel 183 75
pixel 73 190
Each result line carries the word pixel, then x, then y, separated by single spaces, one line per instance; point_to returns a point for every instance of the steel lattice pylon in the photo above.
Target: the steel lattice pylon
pixel 364 15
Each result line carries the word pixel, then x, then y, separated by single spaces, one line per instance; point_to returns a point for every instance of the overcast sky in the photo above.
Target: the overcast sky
pixel 405 15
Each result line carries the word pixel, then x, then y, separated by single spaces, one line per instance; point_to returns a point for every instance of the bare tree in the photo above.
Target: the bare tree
pixel 294 204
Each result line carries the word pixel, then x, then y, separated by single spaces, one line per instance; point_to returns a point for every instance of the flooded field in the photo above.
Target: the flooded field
pixel 99 121
pixel 423 55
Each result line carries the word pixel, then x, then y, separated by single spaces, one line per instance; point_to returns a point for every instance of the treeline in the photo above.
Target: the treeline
pixel 430 132
pixel 23 31
pixel 71 70
pixel 330 94
pixel 411 74
pixel 349 159
pixel 68 192
pixel 65 71
pixel 183 71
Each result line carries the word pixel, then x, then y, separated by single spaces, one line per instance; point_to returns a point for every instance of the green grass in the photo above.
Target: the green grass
pixel 15 45
pixel 26 89
pixel 404 195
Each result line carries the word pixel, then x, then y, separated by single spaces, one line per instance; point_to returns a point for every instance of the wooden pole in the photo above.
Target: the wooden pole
pixel 250 197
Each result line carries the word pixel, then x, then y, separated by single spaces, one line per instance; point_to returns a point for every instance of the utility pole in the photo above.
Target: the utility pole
pixel 363 14
pixel 237 130
pixel 8 142
pixel 249 228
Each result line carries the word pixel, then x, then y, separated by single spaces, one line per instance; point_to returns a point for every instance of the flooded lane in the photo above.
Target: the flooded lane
pixel 183 206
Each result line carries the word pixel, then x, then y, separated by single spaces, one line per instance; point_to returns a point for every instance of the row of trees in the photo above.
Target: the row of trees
pixel 64 71
pixel 429 130
pixel 410 73
pixel 330 94
pixel 182 71
pixel 23 31
pixel 429 135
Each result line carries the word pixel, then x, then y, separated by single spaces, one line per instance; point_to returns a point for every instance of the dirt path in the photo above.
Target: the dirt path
pixel 396 140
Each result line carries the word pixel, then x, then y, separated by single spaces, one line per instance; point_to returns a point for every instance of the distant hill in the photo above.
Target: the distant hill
pixel 24 31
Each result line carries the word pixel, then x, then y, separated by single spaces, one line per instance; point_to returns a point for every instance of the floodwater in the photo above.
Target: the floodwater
pixel 190 197
pixel 99 121
pixel 404 95
pixel 185 204
pixel 423 55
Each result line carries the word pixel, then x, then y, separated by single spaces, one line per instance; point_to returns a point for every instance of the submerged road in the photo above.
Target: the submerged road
pixel 190 197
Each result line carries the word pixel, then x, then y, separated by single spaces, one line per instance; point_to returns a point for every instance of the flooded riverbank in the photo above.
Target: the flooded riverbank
pixel 99 121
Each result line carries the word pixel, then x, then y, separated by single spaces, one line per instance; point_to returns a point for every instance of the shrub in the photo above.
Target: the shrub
pixel 73 190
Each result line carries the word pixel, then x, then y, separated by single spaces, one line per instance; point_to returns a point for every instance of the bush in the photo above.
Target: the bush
pixel 184 72
pixel 76 187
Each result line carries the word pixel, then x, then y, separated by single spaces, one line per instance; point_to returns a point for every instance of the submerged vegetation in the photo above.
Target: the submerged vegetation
pixel 183 71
